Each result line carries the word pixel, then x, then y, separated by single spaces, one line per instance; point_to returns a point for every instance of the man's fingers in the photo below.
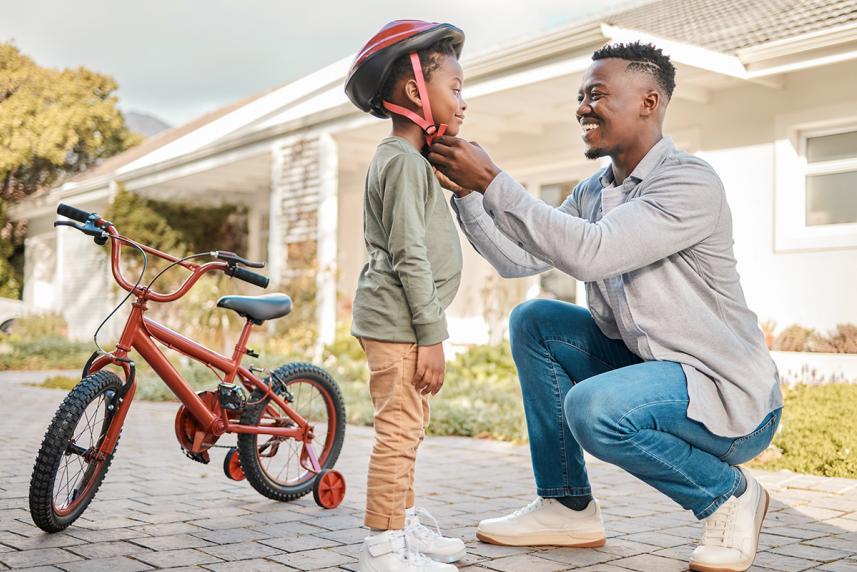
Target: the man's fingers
pixel 440 161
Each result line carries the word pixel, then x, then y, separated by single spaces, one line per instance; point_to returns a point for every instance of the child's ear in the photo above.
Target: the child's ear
pixel 412 92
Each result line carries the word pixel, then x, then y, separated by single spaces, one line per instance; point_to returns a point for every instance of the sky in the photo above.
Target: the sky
pixel 178 59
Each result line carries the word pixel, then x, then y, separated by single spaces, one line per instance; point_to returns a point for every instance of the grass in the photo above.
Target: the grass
pixel 817 434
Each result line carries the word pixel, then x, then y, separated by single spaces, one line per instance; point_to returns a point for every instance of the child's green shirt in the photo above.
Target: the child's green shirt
pixel 414 266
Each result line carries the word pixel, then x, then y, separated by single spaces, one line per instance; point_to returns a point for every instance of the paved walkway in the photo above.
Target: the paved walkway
pixel 157 509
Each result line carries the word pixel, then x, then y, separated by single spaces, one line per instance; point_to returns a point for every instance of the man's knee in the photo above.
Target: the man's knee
pixel 591 416
pixel 528 318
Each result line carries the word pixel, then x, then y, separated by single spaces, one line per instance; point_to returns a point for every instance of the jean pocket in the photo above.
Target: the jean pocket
pixel 749 446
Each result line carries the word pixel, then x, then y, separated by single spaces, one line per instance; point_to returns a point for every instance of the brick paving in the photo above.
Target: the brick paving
pixel 157 509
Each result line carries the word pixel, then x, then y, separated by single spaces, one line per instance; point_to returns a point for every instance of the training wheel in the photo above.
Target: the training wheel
pixel 232 465
pixel 329 488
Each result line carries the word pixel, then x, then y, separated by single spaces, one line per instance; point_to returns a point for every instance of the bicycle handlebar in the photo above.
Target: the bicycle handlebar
pixel 248 276
pixel 105 228
pixel 73 213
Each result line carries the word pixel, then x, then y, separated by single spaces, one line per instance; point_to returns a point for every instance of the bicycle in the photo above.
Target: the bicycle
pixel 289 429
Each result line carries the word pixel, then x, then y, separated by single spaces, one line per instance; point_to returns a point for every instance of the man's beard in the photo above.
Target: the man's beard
pixel 595 153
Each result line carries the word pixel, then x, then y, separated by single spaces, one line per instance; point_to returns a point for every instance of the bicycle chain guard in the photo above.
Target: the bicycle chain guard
pixel 192 436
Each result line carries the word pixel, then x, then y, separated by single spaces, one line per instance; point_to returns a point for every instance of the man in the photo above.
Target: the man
pixel 667 374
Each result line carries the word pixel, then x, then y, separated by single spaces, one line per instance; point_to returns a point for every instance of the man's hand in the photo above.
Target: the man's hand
pixel 450 185
pixel 431 368
pixel 465 163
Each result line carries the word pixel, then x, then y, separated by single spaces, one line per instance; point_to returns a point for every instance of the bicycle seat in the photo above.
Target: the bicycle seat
pixel 258 308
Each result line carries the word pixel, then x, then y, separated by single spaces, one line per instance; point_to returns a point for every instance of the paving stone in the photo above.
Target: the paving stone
pixel 256 565
pixel 528 562
pixel 116 564
pixel 299 543
pixel 173 542
pixel 650 562
pixel 174 558
pixel 312 559
pixel 241 551
pixel 95 550
pixel 38 557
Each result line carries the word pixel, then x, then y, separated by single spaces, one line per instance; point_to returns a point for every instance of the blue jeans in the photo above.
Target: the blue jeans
pixel 584 391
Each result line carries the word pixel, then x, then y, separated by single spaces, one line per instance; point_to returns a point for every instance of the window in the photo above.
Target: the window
pixel 555 283
pixel 831 179
pixel 815 201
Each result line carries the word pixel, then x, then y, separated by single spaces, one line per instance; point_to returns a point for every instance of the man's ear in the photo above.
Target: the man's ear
pixel 412 92
pixel 651 103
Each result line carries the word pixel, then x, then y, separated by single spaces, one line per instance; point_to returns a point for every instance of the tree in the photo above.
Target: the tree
pixel 53 124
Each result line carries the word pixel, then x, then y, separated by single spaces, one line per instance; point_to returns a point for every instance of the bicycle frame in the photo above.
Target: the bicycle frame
pixel 140 334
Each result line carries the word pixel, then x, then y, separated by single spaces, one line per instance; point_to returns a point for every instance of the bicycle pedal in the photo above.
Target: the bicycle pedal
pixel 198 457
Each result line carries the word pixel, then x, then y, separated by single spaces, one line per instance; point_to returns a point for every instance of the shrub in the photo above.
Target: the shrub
pixel 794 339
pixel 815 435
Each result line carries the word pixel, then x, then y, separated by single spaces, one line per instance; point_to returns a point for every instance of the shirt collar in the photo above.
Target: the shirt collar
pixel 647 164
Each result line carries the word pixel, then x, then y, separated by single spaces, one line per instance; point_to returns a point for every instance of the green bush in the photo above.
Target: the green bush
pixel 816 434
pixel 48 352
pixel 480 397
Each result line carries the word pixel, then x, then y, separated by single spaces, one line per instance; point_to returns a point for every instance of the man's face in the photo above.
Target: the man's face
pixel 444 89
pixel 610 101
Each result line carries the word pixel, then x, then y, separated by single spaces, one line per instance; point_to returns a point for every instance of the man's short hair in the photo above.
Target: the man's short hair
pixel 645 58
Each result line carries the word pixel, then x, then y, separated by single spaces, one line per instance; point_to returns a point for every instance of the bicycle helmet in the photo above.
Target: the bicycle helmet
pixel 374 61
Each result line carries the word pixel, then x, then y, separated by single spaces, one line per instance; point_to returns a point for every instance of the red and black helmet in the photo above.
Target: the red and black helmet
pixel 373 63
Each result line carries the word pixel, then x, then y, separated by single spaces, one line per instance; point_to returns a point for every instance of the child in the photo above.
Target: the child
pixel 409 72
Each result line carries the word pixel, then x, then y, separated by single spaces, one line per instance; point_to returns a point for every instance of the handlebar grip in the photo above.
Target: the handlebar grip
pixel 72 213
pixel 248 276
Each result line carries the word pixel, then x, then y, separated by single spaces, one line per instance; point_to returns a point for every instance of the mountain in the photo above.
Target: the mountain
pixel 145 124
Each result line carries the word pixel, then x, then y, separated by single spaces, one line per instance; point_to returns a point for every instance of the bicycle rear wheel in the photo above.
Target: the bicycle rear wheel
pixel 273 465
pixel 67 472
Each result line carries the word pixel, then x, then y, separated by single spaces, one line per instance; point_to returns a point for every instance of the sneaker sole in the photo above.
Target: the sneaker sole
pixel 446 558
pixel 545 539
pixel 738 566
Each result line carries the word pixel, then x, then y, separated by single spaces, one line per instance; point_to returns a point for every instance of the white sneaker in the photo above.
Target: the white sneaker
pixel 431 542
pixel 731 533
pixel 390 551
pixel 546 522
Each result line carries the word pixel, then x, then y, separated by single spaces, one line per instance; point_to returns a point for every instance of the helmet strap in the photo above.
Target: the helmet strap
pixel 426 122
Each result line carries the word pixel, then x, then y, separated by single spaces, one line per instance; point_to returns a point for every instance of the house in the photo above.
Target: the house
pixel 767 93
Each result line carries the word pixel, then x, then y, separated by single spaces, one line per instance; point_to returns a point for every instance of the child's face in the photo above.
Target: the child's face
pixel 444 88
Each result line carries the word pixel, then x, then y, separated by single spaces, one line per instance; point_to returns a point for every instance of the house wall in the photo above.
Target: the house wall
pixel 739 131
pixel 66 272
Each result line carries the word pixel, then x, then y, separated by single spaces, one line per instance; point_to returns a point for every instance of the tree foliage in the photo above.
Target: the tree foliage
pixel 53 124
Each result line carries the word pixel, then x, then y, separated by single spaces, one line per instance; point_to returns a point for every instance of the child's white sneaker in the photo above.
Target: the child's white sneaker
pixel 391 551
pixel 431 542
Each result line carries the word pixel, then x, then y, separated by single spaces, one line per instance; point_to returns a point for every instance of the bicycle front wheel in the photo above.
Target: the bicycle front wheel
pixel 68 473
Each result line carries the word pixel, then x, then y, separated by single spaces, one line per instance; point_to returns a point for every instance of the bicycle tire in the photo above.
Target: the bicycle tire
pixel 248 448
pixel 55 446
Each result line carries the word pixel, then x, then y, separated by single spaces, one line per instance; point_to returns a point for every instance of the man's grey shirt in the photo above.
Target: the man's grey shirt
pixel 659 269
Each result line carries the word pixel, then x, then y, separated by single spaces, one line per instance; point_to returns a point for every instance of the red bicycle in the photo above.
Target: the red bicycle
pixel 290 427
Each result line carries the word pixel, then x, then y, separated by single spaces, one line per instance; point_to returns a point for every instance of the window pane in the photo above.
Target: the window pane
pixel 832 147
pixel 831 199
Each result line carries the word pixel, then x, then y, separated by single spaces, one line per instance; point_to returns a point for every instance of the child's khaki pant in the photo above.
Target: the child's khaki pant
pixel 401 416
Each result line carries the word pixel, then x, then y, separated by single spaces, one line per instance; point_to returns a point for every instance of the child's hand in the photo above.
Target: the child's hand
pixel 431 368
pixel 449 185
